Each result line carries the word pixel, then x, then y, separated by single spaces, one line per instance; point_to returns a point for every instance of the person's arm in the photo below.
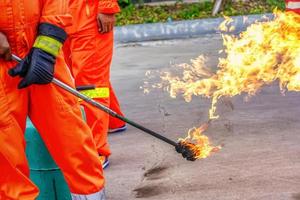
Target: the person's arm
pixel 5 51
pixel 38 66
pixel 106 15
pixel 56 12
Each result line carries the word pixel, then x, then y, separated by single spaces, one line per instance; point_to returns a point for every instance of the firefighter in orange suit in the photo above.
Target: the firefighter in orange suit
pixel 34 30
pixel 89 53
pixel 293 5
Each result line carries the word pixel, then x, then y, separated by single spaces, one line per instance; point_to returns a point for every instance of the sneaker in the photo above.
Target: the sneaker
pixel 105 162
pixel 117 130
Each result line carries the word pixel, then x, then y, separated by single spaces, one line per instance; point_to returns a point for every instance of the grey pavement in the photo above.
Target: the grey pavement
pixel 260 159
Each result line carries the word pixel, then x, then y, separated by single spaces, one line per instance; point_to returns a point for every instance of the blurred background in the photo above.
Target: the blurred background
pixel 153 11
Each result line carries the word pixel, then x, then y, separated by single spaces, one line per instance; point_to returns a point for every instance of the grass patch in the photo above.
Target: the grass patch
pixel 179 11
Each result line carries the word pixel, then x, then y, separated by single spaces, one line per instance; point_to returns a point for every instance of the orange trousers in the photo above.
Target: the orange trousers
pixel 89 55
pixel 56 115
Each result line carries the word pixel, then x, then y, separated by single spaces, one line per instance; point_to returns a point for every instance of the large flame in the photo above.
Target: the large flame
pixel 266 52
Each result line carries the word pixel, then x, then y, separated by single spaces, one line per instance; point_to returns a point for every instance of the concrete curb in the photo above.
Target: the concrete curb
pixel 181 29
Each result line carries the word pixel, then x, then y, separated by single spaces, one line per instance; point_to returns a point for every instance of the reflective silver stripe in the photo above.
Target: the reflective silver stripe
pixel 293 5
pixel 96 196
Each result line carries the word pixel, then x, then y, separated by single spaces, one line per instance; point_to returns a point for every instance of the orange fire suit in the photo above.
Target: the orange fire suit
pixel 90 55
pixel 54 112
pixel 293 5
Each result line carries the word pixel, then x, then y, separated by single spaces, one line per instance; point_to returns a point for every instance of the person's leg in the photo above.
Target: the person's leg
pixel 90 54
pixel 13 183
pixel 56 115
pixel 114 123
pixel 14 178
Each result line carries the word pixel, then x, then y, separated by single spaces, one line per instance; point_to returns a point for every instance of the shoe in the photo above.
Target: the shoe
pixel 118 130
pixel 104 161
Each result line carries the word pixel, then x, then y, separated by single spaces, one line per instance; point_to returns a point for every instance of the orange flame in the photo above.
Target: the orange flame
pixel 200 145
pixel 266 52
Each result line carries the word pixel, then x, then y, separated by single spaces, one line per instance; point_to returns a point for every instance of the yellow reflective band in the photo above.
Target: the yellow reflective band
pixel 102 92
pixel 48 44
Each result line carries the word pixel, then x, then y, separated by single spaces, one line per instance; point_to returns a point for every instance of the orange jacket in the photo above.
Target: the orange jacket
pixel 84 13
pixel 19 20
pixel 293 5
pixel 108 6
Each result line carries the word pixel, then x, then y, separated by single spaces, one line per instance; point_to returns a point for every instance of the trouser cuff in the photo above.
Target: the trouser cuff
pixel 95 196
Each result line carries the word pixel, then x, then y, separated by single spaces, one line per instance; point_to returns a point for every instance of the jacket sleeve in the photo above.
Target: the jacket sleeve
pixel 108 6
pixel 55 12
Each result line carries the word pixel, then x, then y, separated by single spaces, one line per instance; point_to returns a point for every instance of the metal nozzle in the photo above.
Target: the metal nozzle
pixel 185 148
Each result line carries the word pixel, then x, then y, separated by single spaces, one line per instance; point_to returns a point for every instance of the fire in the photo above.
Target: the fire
pixel 266 52
pixel 199 143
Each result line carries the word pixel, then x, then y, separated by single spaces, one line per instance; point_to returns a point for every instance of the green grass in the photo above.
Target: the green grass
pixel 179 11
pixel 276 3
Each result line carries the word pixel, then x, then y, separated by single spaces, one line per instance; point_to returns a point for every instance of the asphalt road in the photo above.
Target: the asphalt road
pixel 260 159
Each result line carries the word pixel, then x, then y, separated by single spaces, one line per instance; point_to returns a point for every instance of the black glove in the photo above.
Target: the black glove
pixel 38 66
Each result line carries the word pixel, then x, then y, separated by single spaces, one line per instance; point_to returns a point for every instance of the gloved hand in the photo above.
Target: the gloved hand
pixel 4 47
pixel 38 66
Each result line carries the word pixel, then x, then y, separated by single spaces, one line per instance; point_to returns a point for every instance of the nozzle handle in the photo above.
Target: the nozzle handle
pixel 16 58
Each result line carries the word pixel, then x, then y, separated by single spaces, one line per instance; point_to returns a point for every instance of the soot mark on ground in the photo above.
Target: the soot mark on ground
pixel 228 103
pixel 147 191
pixel 155 173
pixel 296 196
pixel 229 126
